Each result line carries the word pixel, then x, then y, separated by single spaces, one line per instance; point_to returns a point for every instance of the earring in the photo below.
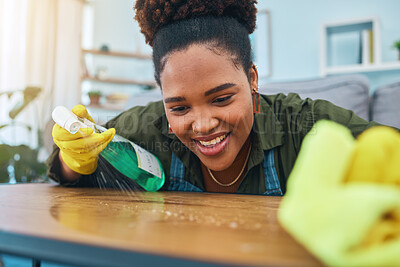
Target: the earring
pixel 256 101
pixel 170 130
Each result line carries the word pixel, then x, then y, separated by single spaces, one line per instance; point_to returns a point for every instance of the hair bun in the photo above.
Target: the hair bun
pixel 154 14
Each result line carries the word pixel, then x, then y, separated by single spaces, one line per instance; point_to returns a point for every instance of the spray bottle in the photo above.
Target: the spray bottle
pixel 128 158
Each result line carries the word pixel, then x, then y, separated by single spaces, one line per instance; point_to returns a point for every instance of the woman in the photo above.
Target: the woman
pixel 212 131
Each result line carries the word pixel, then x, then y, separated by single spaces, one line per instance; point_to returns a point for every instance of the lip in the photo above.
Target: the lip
pixel 209 137
pixel 212 150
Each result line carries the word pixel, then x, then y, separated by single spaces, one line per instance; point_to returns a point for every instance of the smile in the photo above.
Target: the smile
pixel 214 141
pixel 214 146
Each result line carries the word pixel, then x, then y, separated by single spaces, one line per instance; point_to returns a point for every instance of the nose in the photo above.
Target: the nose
pixel 204 123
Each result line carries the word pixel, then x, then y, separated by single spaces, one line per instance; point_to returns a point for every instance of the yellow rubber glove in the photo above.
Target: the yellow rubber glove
pixel 80 151
pixel 338 214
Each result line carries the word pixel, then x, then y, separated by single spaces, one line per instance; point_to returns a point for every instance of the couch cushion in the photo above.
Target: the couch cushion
pixel 385 106
pixel 347 91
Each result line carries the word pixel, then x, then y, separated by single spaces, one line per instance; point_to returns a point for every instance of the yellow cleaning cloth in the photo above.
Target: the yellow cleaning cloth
pixel 343 196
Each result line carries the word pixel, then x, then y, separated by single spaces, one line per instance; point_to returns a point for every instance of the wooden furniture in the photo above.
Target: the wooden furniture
pixel 100 81
pixel 91 227
pixel 116 54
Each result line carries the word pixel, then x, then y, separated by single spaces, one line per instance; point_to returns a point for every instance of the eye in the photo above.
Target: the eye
pixel 222 100
pixel 179 110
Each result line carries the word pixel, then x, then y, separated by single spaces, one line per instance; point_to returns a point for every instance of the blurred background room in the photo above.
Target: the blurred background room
pixel 65 52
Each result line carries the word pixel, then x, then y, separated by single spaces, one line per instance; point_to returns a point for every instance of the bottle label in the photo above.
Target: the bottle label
pixel 147 161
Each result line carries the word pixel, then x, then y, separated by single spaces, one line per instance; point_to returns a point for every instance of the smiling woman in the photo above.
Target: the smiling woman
pixel 213 132
pixel 211 109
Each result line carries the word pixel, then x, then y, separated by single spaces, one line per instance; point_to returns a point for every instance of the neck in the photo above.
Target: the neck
pixel 238 163
pixel 228 175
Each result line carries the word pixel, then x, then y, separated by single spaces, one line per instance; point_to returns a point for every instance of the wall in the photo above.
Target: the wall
pixel 115 25
pixel 112 23
pixel 295 33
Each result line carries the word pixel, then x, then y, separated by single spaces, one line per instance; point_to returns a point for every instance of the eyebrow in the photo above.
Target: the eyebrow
pixel 207 93
pixel 219 88
pixel 174 99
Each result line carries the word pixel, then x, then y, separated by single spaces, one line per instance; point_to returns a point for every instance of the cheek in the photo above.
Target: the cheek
pixel 238 116
pixel 243 114
pixel 180 125
pixel 242 119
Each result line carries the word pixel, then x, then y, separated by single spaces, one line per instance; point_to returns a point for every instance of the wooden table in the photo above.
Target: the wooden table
pixel 92 227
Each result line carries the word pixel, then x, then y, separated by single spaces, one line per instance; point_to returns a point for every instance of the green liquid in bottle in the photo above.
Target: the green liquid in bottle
pixel 128 158
pixel 121 154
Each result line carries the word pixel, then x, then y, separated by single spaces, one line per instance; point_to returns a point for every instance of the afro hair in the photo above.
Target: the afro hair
pixel 152 15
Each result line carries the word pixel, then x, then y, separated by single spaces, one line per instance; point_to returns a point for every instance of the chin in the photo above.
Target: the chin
pixel 217 165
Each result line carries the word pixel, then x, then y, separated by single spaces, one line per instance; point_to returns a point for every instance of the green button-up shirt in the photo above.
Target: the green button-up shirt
pixel 282 124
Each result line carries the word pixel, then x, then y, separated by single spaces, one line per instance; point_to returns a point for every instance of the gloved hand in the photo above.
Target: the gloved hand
pixel 80 151
pixel 337 205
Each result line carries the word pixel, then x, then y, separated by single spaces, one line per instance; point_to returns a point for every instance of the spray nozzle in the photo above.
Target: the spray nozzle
pixel 69 121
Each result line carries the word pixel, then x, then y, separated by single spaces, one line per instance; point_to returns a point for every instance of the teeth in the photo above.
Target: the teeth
pixel 214 141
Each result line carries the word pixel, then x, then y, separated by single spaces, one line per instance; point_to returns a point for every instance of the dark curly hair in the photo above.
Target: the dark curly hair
pixel 174 25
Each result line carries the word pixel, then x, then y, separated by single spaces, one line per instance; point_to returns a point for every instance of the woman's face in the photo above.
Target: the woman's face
pixel 208 103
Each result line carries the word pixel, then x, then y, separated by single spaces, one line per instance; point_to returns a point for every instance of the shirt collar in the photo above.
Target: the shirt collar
pixel 267 133
pixel 267 127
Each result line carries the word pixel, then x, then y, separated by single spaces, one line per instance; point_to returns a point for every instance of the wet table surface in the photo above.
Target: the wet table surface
pixel 202 228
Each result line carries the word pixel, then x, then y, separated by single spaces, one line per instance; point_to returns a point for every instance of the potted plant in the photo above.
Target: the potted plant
pixel 94 97
pixel 396 45
pixel 20 163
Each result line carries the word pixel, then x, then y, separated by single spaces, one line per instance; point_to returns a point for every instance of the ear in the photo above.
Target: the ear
pixel 253 77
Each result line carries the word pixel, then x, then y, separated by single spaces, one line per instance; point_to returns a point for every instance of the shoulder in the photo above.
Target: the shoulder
pixel 292 102
pixel 291 99
pixel 295 103
pixel 297 115
pixel 155 108
pixel 307 107
pixel 305 112
pixel 138 120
